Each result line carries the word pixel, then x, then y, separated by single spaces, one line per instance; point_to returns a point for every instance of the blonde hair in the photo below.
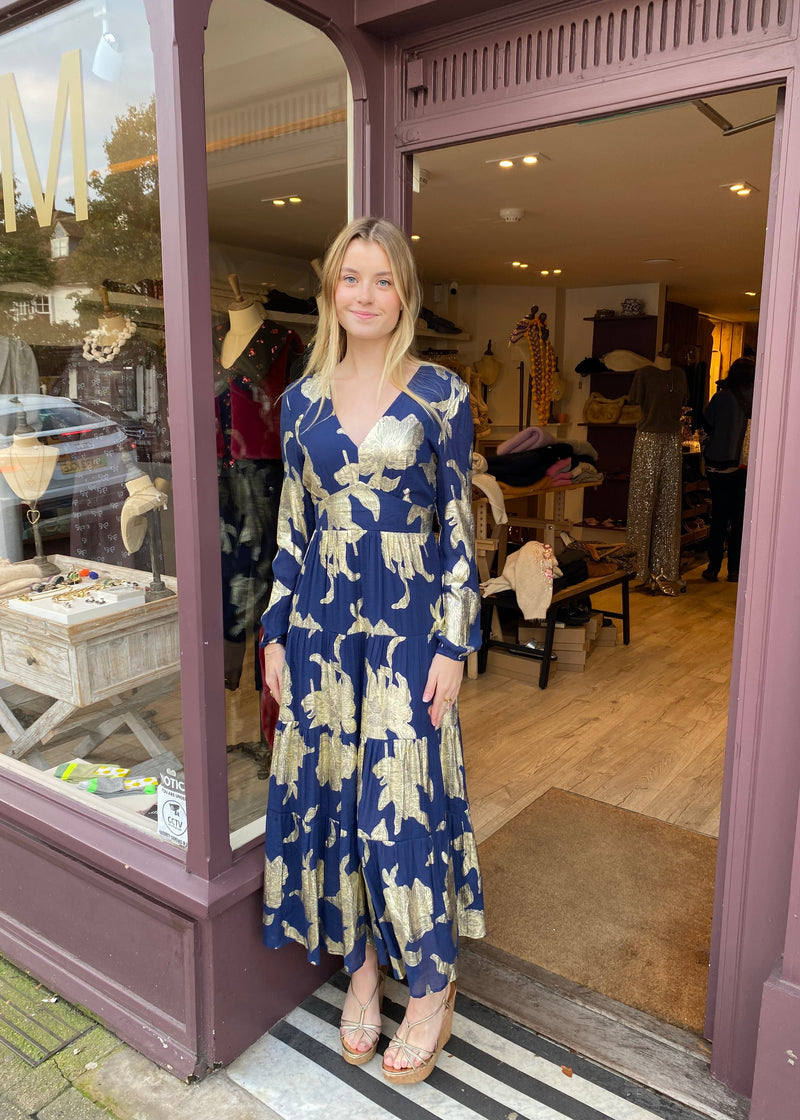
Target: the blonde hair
pixel 329 344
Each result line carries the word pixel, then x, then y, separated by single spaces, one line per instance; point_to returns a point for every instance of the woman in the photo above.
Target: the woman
pixel 369 848
pixel 725 421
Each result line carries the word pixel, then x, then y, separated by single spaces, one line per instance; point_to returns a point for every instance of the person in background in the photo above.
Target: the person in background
pixel 725 422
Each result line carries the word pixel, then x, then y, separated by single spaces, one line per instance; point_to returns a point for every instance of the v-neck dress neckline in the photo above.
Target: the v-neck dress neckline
pixel 386 412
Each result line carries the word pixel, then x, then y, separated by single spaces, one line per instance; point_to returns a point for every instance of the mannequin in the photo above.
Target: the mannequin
pixel 113 331
pixel 654 496
pixel 245 317
pixel 28 465
pixel 251 360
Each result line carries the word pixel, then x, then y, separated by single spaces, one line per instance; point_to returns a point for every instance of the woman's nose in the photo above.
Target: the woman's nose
pixel 364 293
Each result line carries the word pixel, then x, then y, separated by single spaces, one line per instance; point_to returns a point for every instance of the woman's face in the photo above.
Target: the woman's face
pixel 367 302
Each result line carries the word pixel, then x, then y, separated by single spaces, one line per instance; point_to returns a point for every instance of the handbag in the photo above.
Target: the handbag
pixel 630 413
pixel 602 410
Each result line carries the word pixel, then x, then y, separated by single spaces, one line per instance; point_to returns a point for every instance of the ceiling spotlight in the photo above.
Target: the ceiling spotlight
pixel 660 260
pixel 295 198
pixel 751 293
pixel 506 163
pixel 740 187
pixel 556 271
pixel 523 266
pixel 530 159
pixel 545 272
pixel 516 264
pixel 415 237
pixel 279 202
pixel 107 62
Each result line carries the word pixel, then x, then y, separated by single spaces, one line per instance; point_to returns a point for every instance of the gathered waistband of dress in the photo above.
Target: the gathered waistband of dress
pixel 343 511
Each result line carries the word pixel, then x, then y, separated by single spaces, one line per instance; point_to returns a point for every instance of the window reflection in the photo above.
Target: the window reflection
pixel 88 600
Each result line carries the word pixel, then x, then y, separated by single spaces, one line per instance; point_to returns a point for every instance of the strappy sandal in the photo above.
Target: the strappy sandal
pixel 421 1060
pixel 349 1027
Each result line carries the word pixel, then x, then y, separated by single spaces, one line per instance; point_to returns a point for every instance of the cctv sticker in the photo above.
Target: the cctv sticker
pixel 171 807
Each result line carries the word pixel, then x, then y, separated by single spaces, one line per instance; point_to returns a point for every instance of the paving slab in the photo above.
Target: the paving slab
pixel 134 1088
pixel 92 1047
pixel 29 1088
pixel 9 1111
pixel 72 1105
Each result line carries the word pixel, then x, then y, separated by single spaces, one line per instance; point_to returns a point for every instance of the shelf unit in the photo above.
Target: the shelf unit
pixel 614 442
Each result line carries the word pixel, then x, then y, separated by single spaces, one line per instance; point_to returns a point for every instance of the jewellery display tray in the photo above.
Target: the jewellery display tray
pixel 75 608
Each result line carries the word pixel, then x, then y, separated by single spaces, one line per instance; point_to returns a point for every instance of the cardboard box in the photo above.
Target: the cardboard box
pixel 608 635
pixel 516 667
pixel 564 637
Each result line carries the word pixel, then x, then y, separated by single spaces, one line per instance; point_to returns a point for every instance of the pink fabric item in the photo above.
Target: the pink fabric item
pixel 561 466
pixel 526 440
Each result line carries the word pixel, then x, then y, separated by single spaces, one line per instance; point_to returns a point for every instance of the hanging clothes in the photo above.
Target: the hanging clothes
pixel 249 472
pixel 654 497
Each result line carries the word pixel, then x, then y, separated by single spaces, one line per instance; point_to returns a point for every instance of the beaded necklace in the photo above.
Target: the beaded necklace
pixel 96 351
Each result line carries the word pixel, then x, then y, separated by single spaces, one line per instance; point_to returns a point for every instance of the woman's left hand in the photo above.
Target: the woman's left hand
pixel 441 688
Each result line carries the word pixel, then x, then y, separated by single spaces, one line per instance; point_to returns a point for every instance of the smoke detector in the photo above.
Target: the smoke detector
pixel 512 214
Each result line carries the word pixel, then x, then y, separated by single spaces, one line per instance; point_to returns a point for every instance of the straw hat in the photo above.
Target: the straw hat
pixel 625 361
pixel 144 495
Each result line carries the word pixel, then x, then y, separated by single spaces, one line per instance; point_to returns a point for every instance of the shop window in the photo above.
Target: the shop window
pixel 89 684
pixel 277 106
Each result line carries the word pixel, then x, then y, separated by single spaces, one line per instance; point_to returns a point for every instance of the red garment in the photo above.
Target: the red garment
pixel 248 407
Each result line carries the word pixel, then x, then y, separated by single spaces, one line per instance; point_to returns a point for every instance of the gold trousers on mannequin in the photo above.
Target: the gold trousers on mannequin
pixel 654 504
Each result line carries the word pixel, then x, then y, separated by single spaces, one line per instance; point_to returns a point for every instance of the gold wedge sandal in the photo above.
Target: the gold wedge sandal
pixel 426 1059
pixel 349 1027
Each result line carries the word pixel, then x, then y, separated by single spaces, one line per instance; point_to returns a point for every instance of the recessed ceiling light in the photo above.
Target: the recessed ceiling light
pixel 660 260
pixel 751 293
pixel 516 264
pixel 415 237
pixel 545 272
pixel 740 187
pixel 523 266
pixel 279 202
pixel 530 159
pixel 295 198
pixel 556 271
pixel 506 163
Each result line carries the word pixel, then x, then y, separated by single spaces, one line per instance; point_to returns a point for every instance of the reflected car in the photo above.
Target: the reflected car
pixel 93 452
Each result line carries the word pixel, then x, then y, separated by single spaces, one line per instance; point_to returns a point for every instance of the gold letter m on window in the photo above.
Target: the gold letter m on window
pixel 70 92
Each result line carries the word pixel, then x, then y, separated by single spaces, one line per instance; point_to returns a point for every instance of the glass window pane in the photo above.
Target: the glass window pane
pixel 89 688
pixel 277 108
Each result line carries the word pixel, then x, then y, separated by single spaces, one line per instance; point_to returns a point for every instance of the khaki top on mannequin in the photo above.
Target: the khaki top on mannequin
pixel 28 465
pixel 246 316
pixel 110 324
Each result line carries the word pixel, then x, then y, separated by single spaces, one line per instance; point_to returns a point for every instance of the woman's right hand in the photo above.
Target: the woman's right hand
pixel 274 657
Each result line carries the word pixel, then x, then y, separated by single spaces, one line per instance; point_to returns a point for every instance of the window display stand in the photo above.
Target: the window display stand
pixel 128 657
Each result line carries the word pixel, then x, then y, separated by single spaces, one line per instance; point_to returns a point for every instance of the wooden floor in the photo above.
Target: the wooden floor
pixel 643 727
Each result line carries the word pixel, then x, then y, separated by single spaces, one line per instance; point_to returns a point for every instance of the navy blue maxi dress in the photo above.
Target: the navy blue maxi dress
pixel 368 833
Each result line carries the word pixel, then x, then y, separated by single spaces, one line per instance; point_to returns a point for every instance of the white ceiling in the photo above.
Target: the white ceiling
pixel 611 194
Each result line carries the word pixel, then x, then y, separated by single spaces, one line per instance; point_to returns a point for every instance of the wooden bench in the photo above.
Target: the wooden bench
pixel 560 598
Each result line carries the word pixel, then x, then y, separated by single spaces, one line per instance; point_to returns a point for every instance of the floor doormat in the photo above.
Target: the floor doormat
pixel 610 899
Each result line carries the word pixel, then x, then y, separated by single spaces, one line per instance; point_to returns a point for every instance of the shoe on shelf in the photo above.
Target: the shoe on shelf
pixel 350 1027
pixel 710 575
pixel 421 1060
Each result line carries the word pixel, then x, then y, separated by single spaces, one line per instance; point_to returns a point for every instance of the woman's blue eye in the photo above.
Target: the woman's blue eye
pixel 385 283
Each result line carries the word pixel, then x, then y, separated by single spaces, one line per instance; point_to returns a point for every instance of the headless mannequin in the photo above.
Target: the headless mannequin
pixel 28 465
pixel 110 327
pixel 246 316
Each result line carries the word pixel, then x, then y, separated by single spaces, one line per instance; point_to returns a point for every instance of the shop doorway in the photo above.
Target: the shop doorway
pixel 574 221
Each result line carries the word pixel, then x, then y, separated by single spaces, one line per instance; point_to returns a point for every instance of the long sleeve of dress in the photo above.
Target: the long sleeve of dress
pixel 460 631
pixel 295 521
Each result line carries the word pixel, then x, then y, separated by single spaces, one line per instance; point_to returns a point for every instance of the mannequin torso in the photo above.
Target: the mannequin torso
pixel 28 465
pixel 245 321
